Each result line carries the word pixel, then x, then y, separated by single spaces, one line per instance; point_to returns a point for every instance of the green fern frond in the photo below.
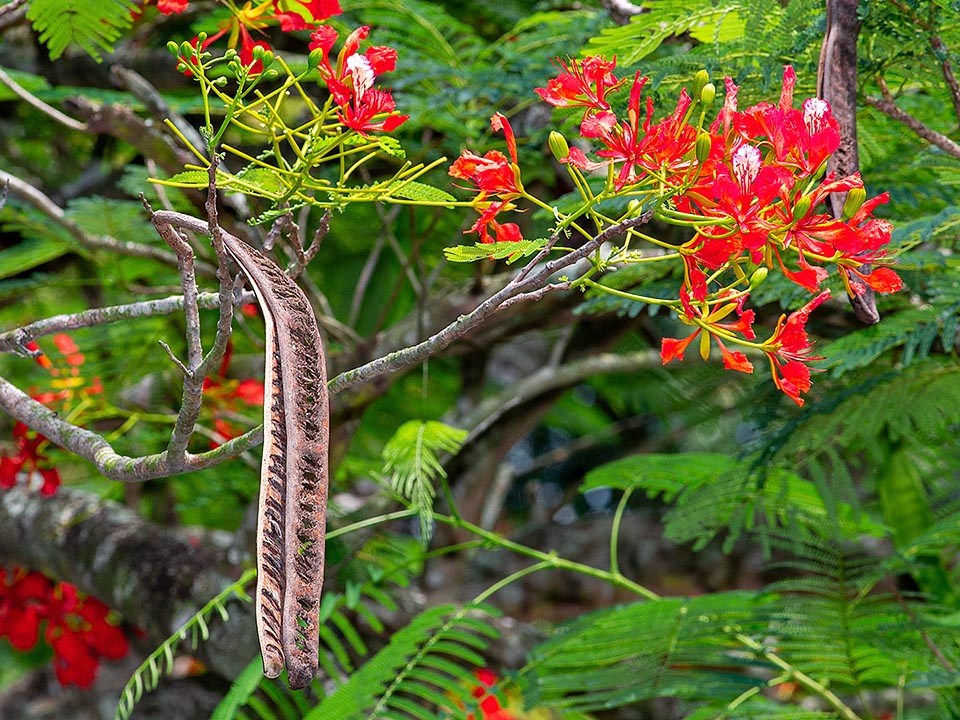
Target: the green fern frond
pixel 832 623
pixel 673 647
pixel 710 492
pixel 160 662
pixel 511 251
pixel 427 663
pixel 240 691
pixel 92 24
pixel 411 459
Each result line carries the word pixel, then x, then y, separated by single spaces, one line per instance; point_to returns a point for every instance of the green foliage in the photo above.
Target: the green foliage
pixel 411 459
pixel 674 647
pixel 160 662
pixel 761 36
pixel 94 25
pixel 426 661
pixel 509 251
pixel 710 493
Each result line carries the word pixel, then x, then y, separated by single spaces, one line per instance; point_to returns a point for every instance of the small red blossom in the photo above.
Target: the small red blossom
pixel 223 395
pixel 581 84
pixel 362 107
pixel 490 708
pixel 170 7
pixel 29 459
pixel 709 321
pixel 789 350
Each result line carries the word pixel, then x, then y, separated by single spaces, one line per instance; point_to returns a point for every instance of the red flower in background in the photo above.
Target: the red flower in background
pixel 67 385
pixel 78 627
pixel 224 395
pixel 489 705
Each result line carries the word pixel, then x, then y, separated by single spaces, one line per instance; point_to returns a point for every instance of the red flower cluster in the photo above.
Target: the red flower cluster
pixel 493 175
pixel 224 395
pixel 750 186
pixel 68 385
pixel 77 626
pixel 290 15
pixel 362 106
pixel 489 705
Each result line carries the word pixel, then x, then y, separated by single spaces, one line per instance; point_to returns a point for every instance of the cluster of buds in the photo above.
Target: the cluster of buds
pixel 249 19
pixel 749 187
pixel 78 628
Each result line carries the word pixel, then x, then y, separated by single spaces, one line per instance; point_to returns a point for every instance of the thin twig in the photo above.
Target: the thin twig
pixel 15 340
pixel 38 104
pixel 888 107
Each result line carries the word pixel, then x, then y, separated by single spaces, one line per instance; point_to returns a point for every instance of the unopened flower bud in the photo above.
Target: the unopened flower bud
pixel 708 93
pixel 705 345
pixel 699 81
pixel 702 148
pixel 187 50
pixel 855 198
pixel 230 54
pixel 173 48
pixel 802 207
pixel 757 277
pixel 313 59
pixel 558 145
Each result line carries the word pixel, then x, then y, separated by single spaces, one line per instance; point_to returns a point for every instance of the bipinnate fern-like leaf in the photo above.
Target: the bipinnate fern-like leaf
pixel 94 25
pixel 832 622
pixel 160 662
pixel 711 492
pixel 427 664
pixel 411 459
pixel 675 647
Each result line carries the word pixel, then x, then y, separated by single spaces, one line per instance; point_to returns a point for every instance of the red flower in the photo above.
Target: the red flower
pixel 583 84
pixel 709 320
pixel 78 627
pixel 351 81
pixel 169 7
pixel 489 705
pixel 30 459
pixel 224 395
pixel 789 350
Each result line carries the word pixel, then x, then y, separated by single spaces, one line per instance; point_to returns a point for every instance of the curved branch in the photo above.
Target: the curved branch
pixel 525 282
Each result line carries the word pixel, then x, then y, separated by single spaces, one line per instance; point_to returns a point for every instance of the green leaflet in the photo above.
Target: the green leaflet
pixel 511 251
pixel 411 460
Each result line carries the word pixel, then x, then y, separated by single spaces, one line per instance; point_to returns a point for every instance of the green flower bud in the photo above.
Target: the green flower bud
pixel 704 143
pixel 270 74
pixel 855 199
pixel 313 59
pixel 220 81
pixel 187 50
pixel 230 54
pixel 757 277
pixel 699 82
pixel 708 93
pixel 173 48
pixel 558 145
pixel 802 207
